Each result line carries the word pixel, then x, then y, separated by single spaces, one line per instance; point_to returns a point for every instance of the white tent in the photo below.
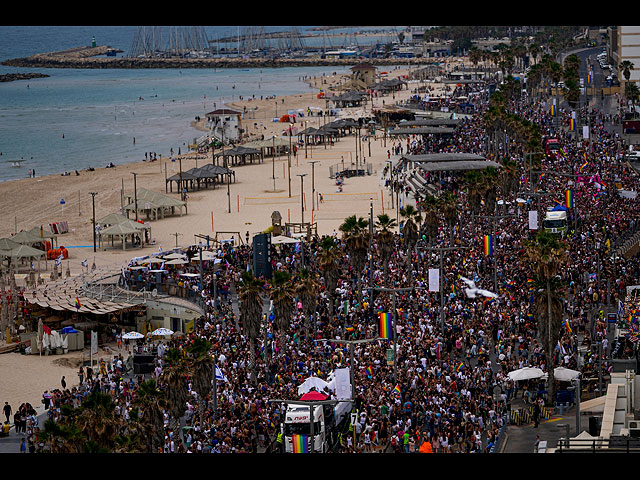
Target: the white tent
pixel 525 373
pixel 312 383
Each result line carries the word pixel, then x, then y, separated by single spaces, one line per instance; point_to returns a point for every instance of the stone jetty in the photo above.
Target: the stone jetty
pixel 88 57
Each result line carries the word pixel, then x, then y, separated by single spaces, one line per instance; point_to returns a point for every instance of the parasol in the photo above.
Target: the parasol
pixel 132 336
pixel 162 331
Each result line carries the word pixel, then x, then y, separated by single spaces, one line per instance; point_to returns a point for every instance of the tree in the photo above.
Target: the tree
pixel 385 240
pixel 174 382
pixel 547 254
pixel 356 238
pixel 282 295
pixel 251 314
pixel 306 288
pixel 328 260
pixel 151 402
pixel 201 370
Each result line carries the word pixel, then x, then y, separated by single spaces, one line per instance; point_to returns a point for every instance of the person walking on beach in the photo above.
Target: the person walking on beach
pixel 63 383
pixel 81 374
pixel 46 399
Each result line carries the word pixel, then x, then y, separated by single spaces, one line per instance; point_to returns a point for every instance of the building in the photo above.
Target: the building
pixel 225 125
pixel 363 75
pixel 625 45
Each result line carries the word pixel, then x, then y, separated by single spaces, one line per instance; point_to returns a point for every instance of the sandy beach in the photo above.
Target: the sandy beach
pixel 32 202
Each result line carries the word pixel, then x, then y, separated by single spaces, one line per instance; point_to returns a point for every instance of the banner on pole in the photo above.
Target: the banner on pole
pixel 434 279
pixel 533 219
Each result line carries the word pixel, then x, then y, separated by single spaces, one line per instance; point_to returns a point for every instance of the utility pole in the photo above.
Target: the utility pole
pixel 441 251
pixel 495 219
pixel 177 234
pixel 135 192
pixel 93 202
pixel 395 318
pixel 313 183
pixel 289 162
pixel 302 175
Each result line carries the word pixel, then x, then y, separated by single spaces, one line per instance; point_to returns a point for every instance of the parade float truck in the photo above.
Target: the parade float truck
pixel 551 146
pixel 555 222
pixel 327 422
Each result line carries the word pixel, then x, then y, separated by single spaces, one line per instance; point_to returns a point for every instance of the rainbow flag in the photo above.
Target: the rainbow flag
pixel 572 124
pixel 349 329
pixel 78 304
pixel 460 366
pixel 397 390
pixel 488 244
pixel 300 444
pixel 567 326
pixel 583 165
pixel 553 109
pixel 569 198
pixel 370 371
pixel 385 325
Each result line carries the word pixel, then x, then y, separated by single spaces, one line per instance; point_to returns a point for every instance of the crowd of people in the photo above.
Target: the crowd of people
pixel 451 352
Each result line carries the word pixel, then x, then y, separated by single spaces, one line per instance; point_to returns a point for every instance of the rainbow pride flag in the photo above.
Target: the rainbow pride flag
pixel 488 244
pixel 569 198
pixel 567 326
pixel 553 109
pixel 460 366
pixel 397 390
pixel 385 325
pixel 78 304
pixel 572 124
pixel 300 444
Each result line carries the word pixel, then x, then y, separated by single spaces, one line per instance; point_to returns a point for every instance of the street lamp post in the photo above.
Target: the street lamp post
pixel 93 202
pixel 289 161
pixel 313 183
pixel 135 192
pixel 302 175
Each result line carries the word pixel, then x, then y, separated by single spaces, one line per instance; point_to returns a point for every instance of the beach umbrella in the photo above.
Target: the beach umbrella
pixel 177 261
pixel 526 373
pixel 162 331
pixel 132 336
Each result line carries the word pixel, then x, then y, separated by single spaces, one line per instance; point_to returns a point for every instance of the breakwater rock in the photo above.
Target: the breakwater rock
pixel 11 77
pixel 85 57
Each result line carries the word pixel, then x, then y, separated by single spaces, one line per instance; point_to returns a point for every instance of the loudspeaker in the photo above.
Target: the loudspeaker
pixel 262 255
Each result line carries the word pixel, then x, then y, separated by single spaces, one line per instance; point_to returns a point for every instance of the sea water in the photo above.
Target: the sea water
pixel 80 118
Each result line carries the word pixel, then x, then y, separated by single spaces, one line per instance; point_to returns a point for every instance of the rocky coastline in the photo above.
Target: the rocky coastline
pixel 12 77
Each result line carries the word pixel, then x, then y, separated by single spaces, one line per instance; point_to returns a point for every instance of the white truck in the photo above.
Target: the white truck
pixel 327 420
pixel 556 222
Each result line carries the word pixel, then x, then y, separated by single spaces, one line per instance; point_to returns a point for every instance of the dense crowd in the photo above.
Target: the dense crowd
pixel 441 390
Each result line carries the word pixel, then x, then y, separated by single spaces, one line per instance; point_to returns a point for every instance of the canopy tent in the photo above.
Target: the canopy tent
pixel 208 173
pixel 280 239
pixel 44 234
pixel 526 373
pixel 275 144
pixel 312 383
pixel 121 230
pixel 112 219
pixel 154 204
pixel 26 238
pixel 313 396
pixel 240 152
pixel 6 244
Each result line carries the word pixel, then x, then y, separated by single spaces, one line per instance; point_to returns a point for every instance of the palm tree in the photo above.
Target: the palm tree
pixel 201 370
pixel 174 382
pixel 282 295
pixel 327 260
pixel 449 203
pixel 546 255
pixel 431 208
pixel 97 421
pixel 151 402
pixel 306 288
pixel 251 314
pixel 385 239
pixel 356 238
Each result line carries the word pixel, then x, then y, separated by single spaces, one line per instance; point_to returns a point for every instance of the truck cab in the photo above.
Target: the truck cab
pixel 551 146
pixel 297 423
pixel 556 222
